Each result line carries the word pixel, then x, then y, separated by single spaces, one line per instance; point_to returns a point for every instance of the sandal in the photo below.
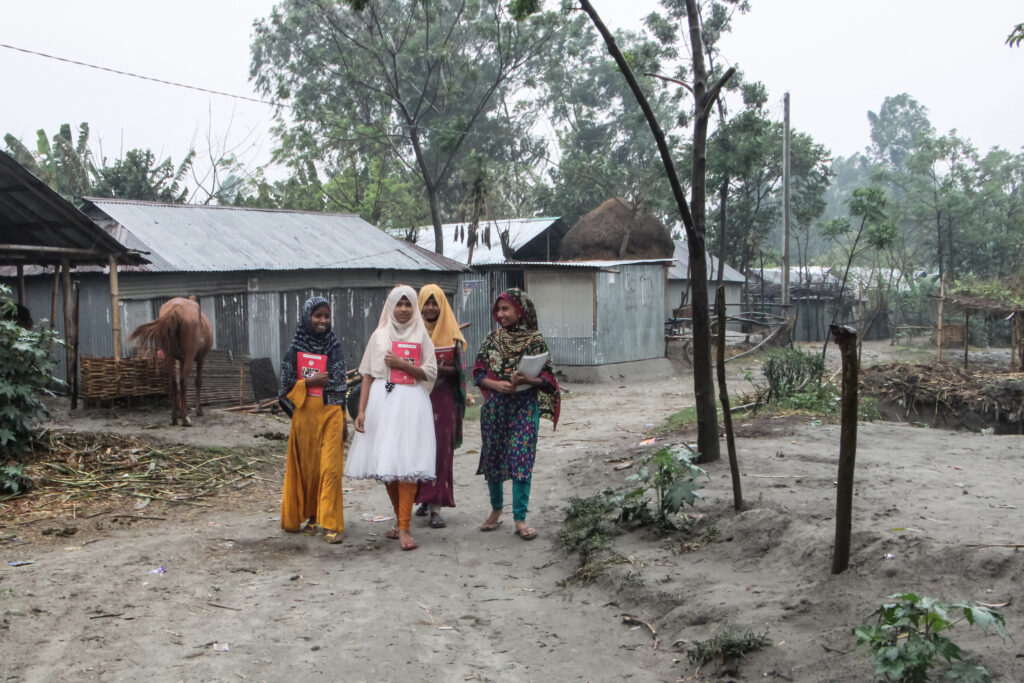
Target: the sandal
pixel 392 533
pixel 310 530
pixel 437 521
pixel 333 537
pixel 492 527
pixel 526 533
pixel 422 510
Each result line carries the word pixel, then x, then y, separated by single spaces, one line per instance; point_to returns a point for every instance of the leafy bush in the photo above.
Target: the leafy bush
pixel 907 635
pixel 25 366
pixel 789 370
pixel 672 476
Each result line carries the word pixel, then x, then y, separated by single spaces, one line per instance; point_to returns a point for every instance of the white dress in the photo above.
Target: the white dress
pixel 398 443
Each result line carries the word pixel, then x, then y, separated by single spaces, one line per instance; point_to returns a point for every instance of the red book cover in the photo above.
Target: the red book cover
pixel 408 352
pixel 310 364
pixel 445 355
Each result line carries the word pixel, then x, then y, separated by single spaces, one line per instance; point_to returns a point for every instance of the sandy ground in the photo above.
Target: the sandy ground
pixel 241 600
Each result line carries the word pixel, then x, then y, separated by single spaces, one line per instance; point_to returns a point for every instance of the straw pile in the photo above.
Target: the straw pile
pixel 948 392
pixel 75 469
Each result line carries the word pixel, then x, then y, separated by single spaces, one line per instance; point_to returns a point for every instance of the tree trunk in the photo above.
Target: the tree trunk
pixel 846 338
pixel 703 381
pixel 723 396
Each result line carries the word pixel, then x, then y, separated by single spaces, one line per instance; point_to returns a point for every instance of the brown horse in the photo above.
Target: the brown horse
pixel 184 336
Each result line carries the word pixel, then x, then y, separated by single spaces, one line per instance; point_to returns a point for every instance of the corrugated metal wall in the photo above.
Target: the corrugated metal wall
pixel 472 302
pixel 630 309
pixel 565 313
pixel 259 323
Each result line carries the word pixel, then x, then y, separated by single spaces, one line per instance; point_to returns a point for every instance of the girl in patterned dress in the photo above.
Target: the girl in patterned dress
pixel 510 418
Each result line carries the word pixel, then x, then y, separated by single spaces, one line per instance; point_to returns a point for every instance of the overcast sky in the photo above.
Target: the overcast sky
pixel 837 59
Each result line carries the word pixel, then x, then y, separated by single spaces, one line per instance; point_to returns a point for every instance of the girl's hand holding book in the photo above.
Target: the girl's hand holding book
pixel 317 380
pixel 520 378
pixel 499 385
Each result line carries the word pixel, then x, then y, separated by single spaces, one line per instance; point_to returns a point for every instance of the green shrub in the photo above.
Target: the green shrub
pixel 671 475
pixel 790 370
pixel 907 635
pixel 26 364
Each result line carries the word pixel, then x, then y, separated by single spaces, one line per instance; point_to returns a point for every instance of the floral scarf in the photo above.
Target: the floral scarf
pixel 502 350
pixel 325 344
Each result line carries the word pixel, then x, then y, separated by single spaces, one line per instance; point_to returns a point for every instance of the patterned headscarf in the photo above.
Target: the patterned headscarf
pixel 325 344
pixel 502 350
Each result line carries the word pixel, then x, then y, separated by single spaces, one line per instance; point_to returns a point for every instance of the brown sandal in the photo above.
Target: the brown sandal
pixel 392 533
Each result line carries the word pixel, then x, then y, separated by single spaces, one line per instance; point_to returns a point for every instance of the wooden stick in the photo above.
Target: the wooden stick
pixel 846 339
pixel 995 545
pixel 633 621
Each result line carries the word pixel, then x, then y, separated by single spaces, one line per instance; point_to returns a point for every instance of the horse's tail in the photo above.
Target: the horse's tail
pixel 160 334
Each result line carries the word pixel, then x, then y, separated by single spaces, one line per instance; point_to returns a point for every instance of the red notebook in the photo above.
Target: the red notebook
pixel 445 355
pixel 409 352
pixel 310 364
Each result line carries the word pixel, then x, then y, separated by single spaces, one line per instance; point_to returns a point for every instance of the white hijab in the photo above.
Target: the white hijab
pixel 390 330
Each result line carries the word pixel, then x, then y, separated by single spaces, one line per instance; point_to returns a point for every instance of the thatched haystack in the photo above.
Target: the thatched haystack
pixel 615 230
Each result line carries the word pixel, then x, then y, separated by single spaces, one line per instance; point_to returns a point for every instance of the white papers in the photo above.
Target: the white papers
pixel 531 367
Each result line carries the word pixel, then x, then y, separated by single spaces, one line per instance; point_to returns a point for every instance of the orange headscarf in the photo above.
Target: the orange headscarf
pixel 445 330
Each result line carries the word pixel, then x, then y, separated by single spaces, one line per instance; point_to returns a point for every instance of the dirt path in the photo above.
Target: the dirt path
pixel 240 600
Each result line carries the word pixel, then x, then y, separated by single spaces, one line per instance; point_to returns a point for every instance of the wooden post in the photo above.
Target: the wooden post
pixel 115 309
pixel 846 339
pixel 65 267
pixel 723 396
pixel 967 336
pixel 1014 340
pixel 938 331
pixel 860 321
pixel 73 343
pixel 21 285
pixel 53 296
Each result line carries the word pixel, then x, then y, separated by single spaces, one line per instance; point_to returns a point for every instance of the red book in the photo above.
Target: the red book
pixel 409 352
pixel 310 364
pixel 445 355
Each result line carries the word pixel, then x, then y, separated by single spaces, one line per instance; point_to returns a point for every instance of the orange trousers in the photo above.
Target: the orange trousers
pixel 402 495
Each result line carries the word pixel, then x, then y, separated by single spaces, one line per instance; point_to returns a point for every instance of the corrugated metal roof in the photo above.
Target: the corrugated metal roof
pixel 183 237
pixel 39 226
pixel 680 270
pixel 520 232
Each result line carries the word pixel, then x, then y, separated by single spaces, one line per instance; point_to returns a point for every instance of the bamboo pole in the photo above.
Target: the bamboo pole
pixel 115 308
pixel 21 285
pixel 53 297
pixel 967 336
pixel 73 343
pixel 846 339
pixel 65 267
pixel 938 332
pixel 723 396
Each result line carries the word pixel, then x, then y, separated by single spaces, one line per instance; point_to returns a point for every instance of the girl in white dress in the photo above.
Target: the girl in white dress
pixel 394 441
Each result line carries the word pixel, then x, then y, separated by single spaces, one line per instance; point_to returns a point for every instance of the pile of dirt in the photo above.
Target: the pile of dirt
pixel 942 395
pixel 599 235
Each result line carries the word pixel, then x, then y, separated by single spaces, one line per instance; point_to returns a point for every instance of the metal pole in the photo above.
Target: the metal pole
pixel 785 200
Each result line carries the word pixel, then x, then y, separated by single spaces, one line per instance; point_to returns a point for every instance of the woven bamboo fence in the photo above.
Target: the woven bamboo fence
pixel 227 380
